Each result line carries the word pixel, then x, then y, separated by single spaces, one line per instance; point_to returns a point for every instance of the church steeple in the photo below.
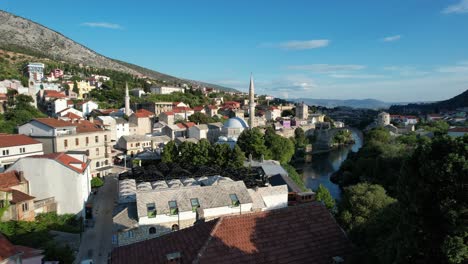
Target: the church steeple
pixel 127 100
pixel 251 102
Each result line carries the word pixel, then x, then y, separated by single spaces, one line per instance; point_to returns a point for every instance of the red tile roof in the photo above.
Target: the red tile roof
pixel 169 113
pixel 9 179
pixel 459 129
pixel 181 109
pixel 54 123
pixel 189 124
pixel 3 96
pixel 19 197
pixel 213 107
pixel 299 234
pixel 142 113
pixel 72 115
pixel 84 126
pixel 64 159
pixel 29 252
pixel 198 108
pixel 10 140
pixel 7 249
pixel 54 94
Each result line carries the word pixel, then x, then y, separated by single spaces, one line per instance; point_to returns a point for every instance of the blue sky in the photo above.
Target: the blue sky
pixel 399 50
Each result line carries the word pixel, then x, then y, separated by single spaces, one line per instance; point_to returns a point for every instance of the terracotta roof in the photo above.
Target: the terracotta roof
pixel 459 129
pixel 71 115
pixel 64 159
pixel 52 122
pixel 9 179
pixel 169 113
pixel 54 94
pixel 28 252
pixel 411 117
pixel 181 109
pixel 300 234
pixel 231 103
pixel 19 197
pixel 198 108
pixel 10 140
pixel 7 249
pixel 142 113
pixel 189 124
pixel 107 111
pixel 84 126
pixel 213 107
pixel 3 96
pixel 180 125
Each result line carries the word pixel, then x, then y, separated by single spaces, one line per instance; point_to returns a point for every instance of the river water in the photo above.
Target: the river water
pixel 323 165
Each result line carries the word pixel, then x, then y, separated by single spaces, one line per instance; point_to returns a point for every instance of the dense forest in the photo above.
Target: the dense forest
pixel 405 199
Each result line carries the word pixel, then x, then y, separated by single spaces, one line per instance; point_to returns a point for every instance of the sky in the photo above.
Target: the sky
pixel 395 51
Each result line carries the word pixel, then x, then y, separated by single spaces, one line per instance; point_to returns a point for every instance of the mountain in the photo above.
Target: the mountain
pixel 458 101
pixel 354 103
pixel 25 36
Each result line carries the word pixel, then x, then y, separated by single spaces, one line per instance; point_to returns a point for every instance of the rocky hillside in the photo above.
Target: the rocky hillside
pixel 25 36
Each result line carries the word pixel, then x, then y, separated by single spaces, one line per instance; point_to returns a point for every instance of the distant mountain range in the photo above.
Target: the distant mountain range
pixel 25 36
pixel 354 103
pixel 458 101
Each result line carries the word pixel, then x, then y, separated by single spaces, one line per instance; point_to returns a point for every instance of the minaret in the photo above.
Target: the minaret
pixel 127 100
pixel 251 102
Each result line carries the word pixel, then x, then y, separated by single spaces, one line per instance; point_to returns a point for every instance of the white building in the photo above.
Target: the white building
pixel 198 131
pixel 64 177
pixel 302 111
pixel 272 113
pixel 34 71
pixel 166 206
pixel 383 119
pixel 14 147
pixel 59 104
pixel 166 90
pixel 117 126
pixel 88 107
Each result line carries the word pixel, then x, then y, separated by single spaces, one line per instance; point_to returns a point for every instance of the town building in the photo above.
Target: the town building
pixel 166 206
pixel 302 111
pixel 167 90
pixel 70 110
pixel 175 131
pixel 457 131
pixel 383 119
pixel 117 126
pixel 13 147
pixel 316 118
pixel 433 117
pixel 198 131
pixel 272 113
pixel 234 127
pixel 133 144
pixel 143 121
pixel 15 198
pixel 284 235
pixel 14 254
pixel 66 178
pixel 78 136
pixel 211 110
pixel 87 107
pixel 34 71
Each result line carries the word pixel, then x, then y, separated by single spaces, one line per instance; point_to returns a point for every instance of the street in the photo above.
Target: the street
pixel 96 242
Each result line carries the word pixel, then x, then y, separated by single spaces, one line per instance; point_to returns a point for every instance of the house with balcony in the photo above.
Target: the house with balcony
pixel 13 147
pixel 14 254
pixel 78 136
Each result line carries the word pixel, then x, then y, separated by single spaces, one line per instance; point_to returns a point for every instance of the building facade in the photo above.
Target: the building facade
pixel 14 147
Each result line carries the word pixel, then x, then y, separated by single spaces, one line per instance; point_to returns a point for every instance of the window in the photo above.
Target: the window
pixel 96 139
pixel 152 230
pixel 65 143
pixel 2 203
pixel 234 200
pixel 22 150
pixel 24 207
pixel 131 145
pixel 106 162
pixel 105 138
pixel 97 164
pixel 6 152
pixel 87 141
pixel 173 208
pixel 77 141
pixel 175 227
pixel 195 204
pixel 129 234
pixel 151 210
pixel 97 151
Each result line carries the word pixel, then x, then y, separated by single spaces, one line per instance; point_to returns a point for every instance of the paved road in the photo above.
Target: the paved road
pixel 96 242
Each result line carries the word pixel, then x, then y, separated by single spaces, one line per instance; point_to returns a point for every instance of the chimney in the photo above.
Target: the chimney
pixel 91 119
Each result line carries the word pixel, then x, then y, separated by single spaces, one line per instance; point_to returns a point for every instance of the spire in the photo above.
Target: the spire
pixel 251 102
pixel 127 100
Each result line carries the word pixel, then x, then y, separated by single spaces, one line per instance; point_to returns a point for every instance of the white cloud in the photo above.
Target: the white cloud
pixel 356 76
pixel 453 69
pixel 304 45
pixel 391 38
pixel 405 70
pixel 102 25
pixel 459 8
pixel 327 68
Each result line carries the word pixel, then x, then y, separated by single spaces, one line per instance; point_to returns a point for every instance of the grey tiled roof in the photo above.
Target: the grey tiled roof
pixel 125 217
pixel 208 197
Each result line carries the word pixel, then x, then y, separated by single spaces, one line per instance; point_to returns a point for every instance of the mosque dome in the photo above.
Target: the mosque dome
pixel 235 122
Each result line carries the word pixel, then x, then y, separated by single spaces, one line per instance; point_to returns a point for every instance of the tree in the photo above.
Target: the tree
pixel 287 113
pixel 360 203
pixel 279 148
pixel 322 194
pixel 300 138
pixel 432 186
pixel 169 152
pixel 201 155
pixel 200 118
pixel 236 158
pixel 75 87
pixel 251 141
pixel 220 154
pixel 96 182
